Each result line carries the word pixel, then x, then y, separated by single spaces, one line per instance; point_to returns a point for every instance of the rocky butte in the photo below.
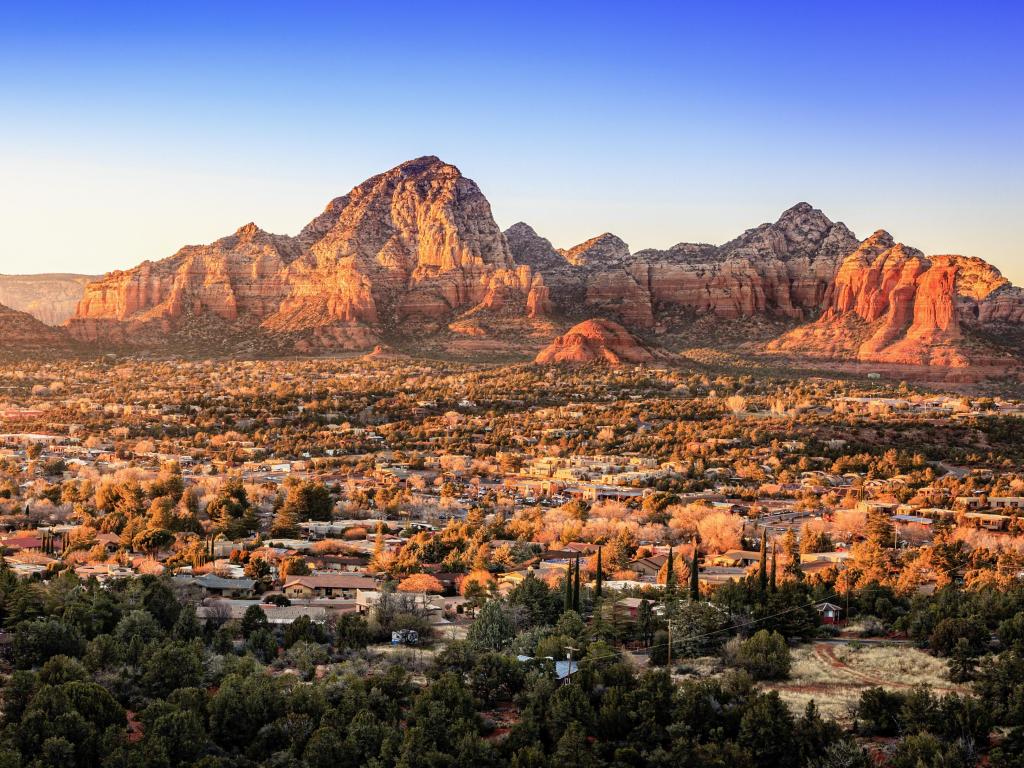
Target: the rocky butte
pixel 414 255
pixel 596 341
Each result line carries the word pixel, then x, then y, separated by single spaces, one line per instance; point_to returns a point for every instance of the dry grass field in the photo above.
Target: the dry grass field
pixel 835 674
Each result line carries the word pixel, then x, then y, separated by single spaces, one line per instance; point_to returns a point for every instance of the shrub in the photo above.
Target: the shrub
pixel 765 656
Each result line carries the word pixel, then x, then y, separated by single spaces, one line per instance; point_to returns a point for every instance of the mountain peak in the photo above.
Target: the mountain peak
pixel 803 212
pixel 797 209
pixel 882 237
pixel 521 229
pixel 426 165
pixel 248 231
pixel 603 249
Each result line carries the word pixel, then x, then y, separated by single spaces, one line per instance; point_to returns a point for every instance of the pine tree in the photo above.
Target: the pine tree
pixel 599 626
pixel 285 523
pixel 878 528
pixel 791 546
pixel 671 591
pixel 962 662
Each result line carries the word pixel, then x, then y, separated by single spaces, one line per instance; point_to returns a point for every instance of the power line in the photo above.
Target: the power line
pixel 758 620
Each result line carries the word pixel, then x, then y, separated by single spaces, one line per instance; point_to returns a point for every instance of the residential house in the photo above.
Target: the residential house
pixel 334 585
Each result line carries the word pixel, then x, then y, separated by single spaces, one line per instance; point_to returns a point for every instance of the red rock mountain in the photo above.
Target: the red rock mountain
pixel 407 250
pixel 596 340
pixel 415 252
pixel 782 269
pixel 890 304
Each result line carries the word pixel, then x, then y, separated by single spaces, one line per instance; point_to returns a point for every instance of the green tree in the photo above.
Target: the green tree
pixel 307 500
pixel 493 628
pixel 962 661
pixel 573 749
pixel 695 572
pixel 766 732
pixel 231 511
pixel 170 666
pixel 351 632
pixel 241 707
pixel 762 571
pixel 252 620
pixel 39 640
pixel 765 656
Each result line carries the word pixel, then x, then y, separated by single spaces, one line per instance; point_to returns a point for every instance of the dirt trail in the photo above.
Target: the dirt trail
pixel 825 653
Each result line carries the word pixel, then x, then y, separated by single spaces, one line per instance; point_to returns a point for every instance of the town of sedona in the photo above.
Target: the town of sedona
pixel 512 385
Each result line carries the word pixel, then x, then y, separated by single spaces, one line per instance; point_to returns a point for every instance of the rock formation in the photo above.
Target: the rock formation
pixel 596 340
pixel 404 252
pixel 20 333
pixel 781 269
pixel 414 252
pixel 51 298
pixel 891 304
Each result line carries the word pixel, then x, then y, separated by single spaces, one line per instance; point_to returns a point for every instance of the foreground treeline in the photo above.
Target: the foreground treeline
pixel 125 675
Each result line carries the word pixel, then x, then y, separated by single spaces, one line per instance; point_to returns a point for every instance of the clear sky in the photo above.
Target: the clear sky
pixel 128 130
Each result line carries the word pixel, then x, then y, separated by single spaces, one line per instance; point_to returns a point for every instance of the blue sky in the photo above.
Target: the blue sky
pixel 127 132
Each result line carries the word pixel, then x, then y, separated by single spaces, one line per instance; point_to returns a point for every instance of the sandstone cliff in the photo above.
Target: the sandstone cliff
pixel 596 340
pixel 404 252
pixel 891 304
pixel 783 269
pixel 414 253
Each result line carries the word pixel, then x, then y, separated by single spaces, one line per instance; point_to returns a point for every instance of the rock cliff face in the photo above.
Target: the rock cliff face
pixel 781 269
pixel 405 251
pixel 891 304
pixel 51 298
pixel 415 252
pixel 596 341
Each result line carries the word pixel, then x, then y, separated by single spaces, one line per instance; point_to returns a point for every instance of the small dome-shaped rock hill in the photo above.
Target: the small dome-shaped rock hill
pixel 596 340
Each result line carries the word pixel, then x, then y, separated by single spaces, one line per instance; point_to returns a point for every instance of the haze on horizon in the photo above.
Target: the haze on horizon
pixel 131 131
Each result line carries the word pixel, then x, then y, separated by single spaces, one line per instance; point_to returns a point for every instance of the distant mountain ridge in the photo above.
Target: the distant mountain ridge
pixel 22 334
pixel 414 253
pixel 51 298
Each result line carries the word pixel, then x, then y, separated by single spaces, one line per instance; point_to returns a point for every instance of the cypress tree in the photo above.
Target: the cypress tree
pixel 694 573
pixel 567 598
pixel 597 586
pixel 774 582
pixel 762 575
pixel 576 588
pixel 671 586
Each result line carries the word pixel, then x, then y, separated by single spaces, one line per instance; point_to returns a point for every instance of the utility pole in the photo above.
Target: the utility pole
pixel 568 655
pixel 668 663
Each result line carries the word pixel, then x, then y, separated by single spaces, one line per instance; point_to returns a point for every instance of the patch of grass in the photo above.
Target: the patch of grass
pixel 835 675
